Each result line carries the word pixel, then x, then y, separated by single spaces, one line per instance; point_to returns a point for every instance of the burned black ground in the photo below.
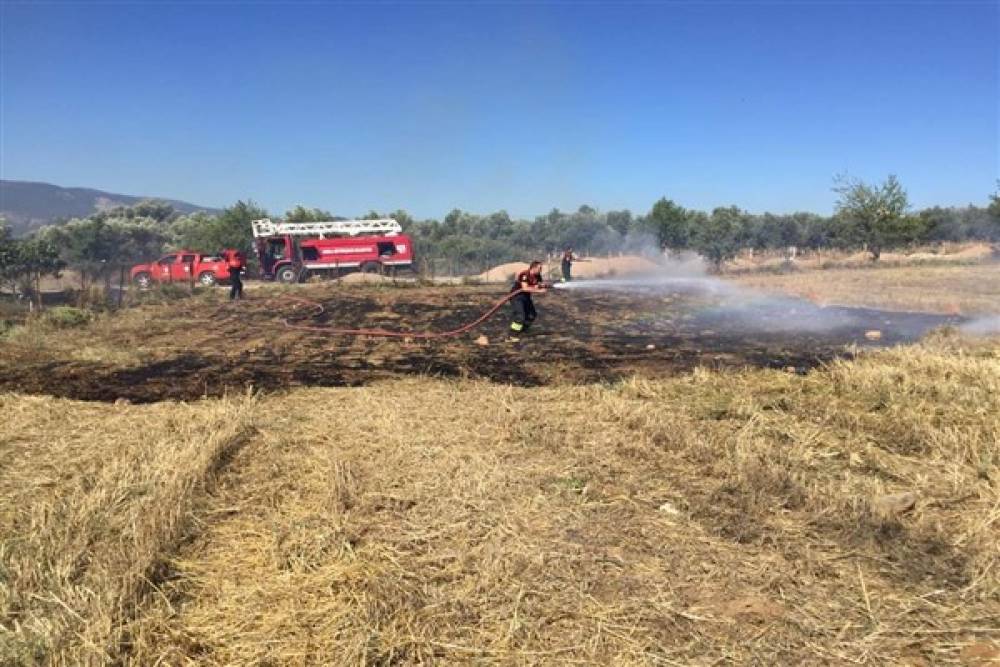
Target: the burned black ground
pixel 201 347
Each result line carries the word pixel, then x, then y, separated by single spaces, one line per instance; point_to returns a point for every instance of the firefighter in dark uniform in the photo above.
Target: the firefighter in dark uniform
pixel 235 263
pixel 527 283
pixel 567 264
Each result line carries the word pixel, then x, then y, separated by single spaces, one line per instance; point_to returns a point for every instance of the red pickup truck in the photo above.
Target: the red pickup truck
pixel 181 266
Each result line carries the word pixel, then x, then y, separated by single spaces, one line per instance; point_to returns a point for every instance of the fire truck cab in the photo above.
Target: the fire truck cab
pixel 289 252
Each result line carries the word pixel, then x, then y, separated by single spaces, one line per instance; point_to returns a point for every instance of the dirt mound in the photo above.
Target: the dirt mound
pixel 592 267
pixel 502 272
pixel 607 267
pixel 365 279
pixel 974 252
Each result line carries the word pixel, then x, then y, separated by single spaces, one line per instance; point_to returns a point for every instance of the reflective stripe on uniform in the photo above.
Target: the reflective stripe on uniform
pixel 516 326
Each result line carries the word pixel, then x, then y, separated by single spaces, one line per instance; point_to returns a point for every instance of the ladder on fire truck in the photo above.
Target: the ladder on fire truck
pixel 384 226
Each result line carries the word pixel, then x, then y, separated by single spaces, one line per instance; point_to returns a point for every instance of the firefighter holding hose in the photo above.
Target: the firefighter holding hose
pixel 526 283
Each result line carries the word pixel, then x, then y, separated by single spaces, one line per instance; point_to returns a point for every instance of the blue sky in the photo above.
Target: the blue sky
pixel 502 105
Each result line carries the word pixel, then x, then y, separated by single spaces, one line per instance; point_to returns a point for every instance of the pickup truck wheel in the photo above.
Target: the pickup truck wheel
pixel 287 274
pixel 371 267
pixel 207 279
pixel 143 280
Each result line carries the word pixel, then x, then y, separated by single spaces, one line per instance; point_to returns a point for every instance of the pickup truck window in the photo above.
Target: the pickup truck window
pixel 169 259
pixel 187 259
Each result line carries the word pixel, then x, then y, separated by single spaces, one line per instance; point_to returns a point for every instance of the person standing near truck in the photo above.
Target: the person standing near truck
pixel 236 263
pixel 526 283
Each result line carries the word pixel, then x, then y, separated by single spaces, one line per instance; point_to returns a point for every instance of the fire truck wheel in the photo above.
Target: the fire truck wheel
pixel 287 274
pixel 207 279
pixel 371 267
pixel 143 280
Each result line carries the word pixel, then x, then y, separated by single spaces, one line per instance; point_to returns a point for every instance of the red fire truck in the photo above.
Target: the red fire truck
pixel 292 251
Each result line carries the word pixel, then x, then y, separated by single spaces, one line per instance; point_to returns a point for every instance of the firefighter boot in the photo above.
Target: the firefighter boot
pixel 515 329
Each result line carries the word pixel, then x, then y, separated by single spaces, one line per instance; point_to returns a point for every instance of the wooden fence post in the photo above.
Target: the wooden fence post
pixel 121 285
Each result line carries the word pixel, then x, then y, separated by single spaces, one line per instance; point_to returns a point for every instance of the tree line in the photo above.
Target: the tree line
pixel 871 216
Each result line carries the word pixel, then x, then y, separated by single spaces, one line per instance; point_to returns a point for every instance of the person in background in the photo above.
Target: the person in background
pixel 567 264
pixel 526 283
pixel 236 262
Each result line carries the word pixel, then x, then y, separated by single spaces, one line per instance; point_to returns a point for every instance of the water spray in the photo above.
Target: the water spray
pixel 982 326
pixel 663 283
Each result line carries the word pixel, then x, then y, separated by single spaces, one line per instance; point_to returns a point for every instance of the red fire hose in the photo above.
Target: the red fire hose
pixel 423 335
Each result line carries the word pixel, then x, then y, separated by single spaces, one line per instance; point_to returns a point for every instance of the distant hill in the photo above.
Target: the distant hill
pixel 27 206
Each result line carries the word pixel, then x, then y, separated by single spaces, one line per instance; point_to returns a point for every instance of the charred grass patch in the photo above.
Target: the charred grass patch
pixel 202 346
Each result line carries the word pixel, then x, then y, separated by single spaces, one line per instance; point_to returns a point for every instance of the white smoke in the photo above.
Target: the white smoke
pixel 730 305
pixel 982 326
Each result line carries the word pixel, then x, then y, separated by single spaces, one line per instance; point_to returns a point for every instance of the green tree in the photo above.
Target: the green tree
pixel 232 228
pixel 10 256
pixel 151 209
pixel 24 262
pixel 106 243
pixel 138 240
pixel 873 215
pixel 99 247
pixel 404 219
pixel 942 224
pixel 38 258
pixel 302 214
pixel 993 210
pixel 671 225
pixel 620 221
pixel 774 231
pixel 717 237
pixel 87 245
pixel 207 233
pixel 816 231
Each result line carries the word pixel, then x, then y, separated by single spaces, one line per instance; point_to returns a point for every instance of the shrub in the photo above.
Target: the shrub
pixel 65 317
pixel 92 298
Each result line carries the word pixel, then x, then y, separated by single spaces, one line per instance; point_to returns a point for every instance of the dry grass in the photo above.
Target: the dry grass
pixel 683 522
pixel 93 496
pixel 937 254
pixel 159 323
pixel 92 341
pixel 707 518
pixel 950 289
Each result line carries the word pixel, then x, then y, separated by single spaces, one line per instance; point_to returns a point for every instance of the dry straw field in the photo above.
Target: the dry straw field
pixel 846 516
pixel 953 289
